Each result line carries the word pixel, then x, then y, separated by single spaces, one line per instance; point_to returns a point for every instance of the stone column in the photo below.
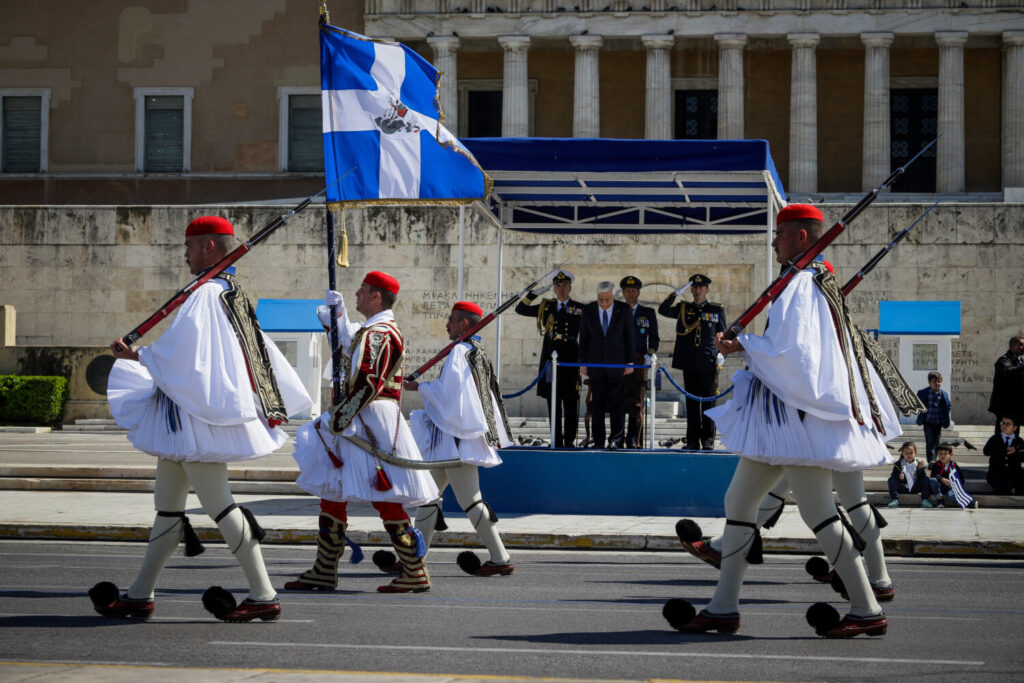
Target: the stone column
pixel 515 103
pixel 1013 109
pixel 803 114
pixel 949 161
pixel 446 61
pixel 586 100
pixel 730 85
pixel 877 157
pixel 658 93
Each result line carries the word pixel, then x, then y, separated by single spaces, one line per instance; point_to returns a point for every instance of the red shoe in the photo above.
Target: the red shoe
pixel 851 626
pixel 885 594
pixel 403 588
pixel 127 608
pixel 706 621
pixel 494 568
pixel 250 610
pixel 702 550
pixel 300 585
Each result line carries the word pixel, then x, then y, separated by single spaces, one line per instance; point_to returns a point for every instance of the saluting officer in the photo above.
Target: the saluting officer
pixel 695 354
pixel 558 321
pixel 645 341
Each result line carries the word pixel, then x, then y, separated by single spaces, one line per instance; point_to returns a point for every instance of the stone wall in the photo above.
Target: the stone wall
pixel 80 276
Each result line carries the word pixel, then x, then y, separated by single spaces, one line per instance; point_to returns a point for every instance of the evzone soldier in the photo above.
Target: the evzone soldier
pixel 338 471
pixel 463 419
pixel 558 321
pixel 810 403
pixel 211 390
pixel 695 354
pixel 646 340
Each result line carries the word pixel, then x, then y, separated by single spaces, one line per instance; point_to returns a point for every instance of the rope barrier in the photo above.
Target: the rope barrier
pixel 684 392
pixel 529 386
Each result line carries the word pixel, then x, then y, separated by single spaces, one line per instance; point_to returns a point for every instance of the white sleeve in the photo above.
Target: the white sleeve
pixel 452 401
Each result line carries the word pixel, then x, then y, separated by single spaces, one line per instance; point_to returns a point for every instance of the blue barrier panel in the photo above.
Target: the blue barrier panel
pixel 582 482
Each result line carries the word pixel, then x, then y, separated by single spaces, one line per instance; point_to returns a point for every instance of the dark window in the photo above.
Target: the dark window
pixel 22 133
pixel 165 134
pixel 305 133
pixel 913 123
pixel 696 115
pixel 483 114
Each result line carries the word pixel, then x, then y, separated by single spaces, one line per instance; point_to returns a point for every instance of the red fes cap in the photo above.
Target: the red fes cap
pixel 209 225
pixel 468 306
pixel 795 212
pixel 381 280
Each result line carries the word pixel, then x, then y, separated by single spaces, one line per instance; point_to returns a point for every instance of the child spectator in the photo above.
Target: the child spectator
pixel 1004 458
pixel 947 482
pixel 909 476
pixel 937 416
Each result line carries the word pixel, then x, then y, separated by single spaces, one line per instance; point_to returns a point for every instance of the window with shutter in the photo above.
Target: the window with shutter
pixel 305 133
pixel 165 134
pixel 696 114
pixel 21 134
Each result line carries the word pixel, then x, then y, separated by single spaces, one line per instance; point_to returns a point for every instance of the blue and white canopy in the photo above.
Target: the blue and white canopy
pixel 575 185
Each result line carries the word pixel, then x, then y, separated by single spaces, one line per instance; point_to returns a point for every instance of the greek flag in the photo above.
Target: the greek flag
pixel 381 116
pixel 956 483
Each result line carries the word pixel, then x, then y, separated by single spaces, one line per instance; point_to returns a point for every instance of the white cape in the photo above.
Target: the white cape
pixel 798 366
pixel 189 396
pixel 452 411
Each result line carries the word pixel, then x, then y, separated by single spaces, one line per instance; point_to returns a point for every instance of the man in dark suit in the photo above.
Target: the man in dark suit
pixel 558 321
pixel 695 354
pixel 606 336
pixel 645 341
pixel 1008 384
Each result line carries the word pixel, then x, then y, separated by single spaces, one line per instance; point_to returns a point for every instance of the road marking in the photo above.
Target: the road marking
pixel 614 653
pixel 68 616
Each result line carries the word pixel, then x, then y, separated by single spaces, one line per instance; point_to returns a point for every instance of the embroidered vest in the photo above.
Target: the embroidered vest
pixel 487 385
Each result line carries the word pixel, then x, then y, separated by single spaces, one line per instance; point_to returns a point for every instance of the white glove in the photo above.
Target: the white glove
pixel 720 360
pixel 682 290
pixel 333 298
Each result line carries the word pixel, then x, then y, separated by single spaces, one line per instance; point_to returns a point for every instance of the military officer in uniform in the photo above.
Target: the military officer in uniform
pixel 696 356
pixel 558 321
pixel 645 341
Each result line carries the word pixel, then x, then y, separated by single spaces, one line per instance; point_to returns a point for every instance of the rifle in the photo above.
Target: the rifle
pixel 216 269
pixel 882 253
pixel 475 328
pixel 775 288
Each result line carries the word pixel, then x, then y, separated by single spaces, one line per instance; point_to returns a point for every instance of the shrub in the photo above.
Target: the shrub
pixel 32 399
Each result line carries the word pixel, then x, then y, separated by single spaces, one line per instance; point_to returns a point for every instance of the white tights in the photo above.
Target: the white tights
pixel 812 488
pixel 210 481
pixel 465 481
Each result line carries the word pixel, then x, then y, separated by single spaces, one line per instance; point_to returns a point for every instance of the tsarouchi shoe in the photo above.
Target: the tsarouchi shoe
pixel 268 610
pixel 851 626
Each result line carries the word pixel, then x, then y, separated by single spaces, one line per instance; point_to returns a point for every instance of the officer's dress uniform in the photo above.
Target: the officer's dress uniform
pixel 696 356
pixel 560 324
pixel 645 341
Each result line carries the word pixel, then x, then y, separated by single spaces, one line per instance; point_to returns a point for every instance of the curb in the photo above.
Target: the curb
pixel 531 541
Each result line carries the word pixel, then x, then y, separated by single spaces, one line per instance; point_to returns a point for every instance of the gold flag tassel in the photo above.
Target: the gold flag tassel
pixel 342 259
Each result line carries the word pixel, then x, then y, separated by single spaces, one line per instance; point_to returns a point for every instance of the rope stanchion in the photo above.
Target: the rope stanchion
pixel 684 392
pixel 531 385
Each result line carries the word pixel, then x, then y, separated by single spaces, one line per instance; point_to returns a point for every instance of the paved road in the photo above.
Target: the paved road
pixel 574 614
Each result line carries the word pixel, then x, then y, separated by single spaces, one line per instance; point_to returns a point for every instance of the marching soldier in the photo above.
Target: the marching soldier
pixel 645 330
pixel 696 356
pixel 558 321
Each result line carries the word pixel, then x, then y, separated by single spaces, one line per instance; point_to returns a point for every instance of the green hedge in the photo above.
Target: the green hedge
pixel 32 399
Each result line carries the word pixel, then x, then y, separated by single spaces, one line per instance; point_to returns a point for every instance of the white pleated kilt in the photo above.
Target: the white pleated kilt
pixel 353 481
pixel 756 424
pixel 159 427
pixel 436 445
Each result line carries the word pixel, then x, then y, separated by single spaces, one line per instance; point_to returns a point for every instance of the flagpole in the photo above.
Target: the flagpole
pixel 333 285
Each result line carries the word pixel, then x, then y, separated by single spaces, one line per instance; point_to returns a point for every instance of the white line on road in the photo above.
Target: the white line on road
pixel 614 653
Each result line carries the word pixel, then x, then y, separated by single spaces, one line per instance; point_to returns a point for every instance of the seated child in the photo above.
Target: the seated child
pixel 1004 453
pixel 909 476
pixel 947 482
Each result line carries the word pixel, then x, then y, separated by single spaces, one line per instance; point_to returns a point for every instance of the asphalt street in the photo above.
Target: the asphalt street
pixel 563 614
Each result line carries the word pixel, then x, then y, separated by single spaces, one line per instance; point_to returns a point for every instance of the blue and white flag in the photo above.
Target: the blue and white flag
pixel 381 116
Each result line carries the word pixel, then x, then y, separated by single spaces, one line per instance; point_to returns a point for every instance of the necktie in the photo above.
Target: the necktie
pixel 604 320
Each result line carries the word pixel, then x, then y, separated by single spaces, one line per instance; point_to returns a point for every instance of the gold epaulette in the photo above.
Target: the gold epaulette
pixel 544 326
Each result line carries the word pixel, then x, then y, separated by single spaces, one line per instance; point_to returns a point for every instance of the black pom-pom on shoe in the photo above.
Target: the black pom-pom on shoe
pixel 468 562
pixel 817 567
pixel 688 531
pixel 103 593
pixel 219 602
pixel 822 617
pixel 385 560
pixel 678 612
